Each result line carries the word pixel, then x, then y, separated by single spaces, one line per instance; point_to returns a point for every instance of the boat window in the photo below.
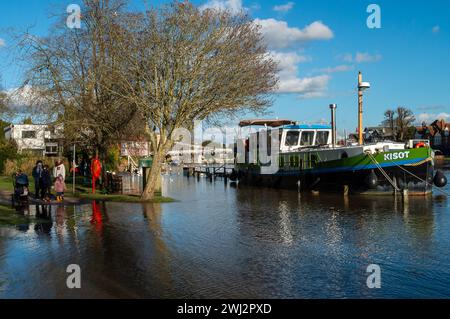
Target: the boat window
pixel 292 138
pixel 322 137
pixel 307 138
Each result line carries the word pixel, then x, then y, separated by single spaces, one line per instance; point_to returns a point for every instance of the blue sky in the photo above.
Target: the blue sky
pixel 321 45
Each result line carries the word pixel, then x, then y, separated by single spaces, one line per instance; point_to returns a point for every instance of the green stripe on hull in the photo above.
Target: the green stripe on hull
pixel 363 161
pixel 358 162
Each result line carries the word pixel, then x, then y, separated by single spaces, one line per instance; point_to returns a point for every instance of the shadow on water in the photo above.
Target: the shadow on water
pixel 219 241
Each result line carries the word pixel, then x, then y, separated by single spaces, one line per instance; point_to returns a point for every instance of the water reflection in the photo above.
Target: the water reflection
pixel 231 242
pixel 44 222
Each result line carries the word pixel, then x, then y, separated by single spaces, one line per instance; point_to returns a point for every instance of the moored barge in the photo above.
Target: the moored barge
pixel 309 159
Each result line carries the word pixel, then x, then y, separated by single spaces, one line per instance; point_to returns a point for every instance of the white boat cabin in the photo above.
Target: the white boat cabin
pixel 295 137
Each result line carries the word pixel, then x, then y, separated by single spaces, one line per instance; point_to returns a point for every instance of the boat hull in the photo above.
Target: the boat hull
pixel 362 174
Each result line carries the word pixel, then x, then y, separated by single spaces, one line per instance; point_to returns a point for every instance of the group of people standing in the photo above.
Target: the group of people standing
pixel 43 180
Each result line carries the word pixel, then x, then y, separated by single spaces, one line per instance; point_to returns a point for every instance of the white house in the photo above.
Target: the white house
pixel 41 140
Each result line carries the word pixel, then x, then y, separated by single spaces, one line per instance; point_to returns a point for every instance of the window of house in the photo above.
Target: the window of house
pixel 307 138
pixel 28 134
pixel 51 149
pixel 292 138
pixel 322 138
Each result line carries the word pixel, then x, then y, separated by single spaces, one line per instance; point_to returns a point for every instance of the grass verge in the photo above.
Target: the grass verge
pixel 82 192
pixel 121 198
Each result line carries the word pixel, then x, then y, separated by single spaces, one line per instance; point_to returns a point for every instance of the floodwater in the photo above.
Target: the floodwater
pixel 219 241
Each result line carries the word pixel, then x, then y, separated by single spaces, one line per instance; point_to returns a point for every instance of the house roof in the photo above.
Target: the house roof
pixel 438 126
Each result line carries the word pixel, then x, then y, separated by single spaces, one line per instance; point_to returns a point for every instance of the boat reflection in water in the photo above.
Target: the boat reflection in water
pixel 219 241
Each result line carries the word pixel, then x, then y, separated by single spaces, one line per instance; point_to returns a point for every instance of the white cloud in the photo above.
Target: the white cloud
pixel 339 68
pixel 436 29
pixel 430 117
pixel 347 58
pixel 366 57
pixel 308 87
pixel 233 6
pixel 2 43
pixel 284 7
pixel 361 57
pixel 279 35
pixel 288 61
pixel 255 7
pixel 432 107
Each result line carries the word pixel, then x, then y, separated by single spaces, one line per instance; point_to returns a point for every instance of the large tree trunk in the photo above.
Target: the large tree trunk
pixel 154 177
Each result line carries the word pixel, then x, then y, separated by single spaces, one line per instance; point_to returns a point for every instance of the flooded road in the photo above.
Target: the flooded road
pixel 218 241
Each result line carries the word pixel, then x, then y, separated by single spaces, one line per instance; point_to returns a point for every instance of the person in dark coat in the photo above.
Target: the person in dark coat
pixel 37 175
pixel 46 183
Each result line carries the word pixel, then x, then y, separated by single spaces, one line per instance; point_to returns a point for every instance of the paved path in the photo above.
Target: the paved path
pixel 5 199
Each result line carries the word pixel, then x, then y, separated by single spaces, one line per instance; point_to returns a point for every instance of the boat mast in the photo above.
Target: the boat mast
pixel 361 87
pixel 360 109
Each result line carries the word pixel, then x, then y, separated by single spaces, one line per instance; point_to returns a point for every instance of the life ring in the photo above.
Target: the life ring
pixel 420 145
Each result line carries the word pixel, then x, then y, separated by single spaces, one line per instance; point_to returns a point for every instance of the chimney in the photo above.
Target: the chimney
pixel 333 108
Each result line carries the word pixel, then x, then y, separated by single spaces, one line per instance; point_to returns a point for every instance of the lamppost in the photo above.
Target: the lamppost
pixel 362 86
pixel 74 165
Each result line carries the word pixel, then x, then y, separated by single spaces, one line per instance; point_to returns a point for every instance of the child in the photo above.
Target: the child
pixel 60 188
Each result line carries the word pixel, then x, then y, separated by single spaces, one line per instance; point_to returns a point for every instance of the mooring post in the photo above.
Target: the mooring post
pixel 405 202
pixel 395 185
pixel 346 190
pixel 405 195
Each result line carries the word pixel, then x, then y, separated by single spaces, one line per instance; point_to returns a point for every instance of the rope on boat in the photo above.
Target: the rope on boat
pixel 429 159
pixel 420 179
pixel 383 171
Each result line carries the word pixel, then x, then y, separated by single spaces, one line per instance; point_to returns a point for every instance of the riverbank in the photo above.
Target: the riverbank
pixel 81 196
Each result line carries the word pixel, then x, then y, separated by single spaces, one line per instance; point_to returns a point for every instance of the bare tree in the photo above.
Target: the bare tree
pixel 3 107
pixel 72 74
pixel 185 64
pixel 4 101
pixel 405 119
pixel 389 121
